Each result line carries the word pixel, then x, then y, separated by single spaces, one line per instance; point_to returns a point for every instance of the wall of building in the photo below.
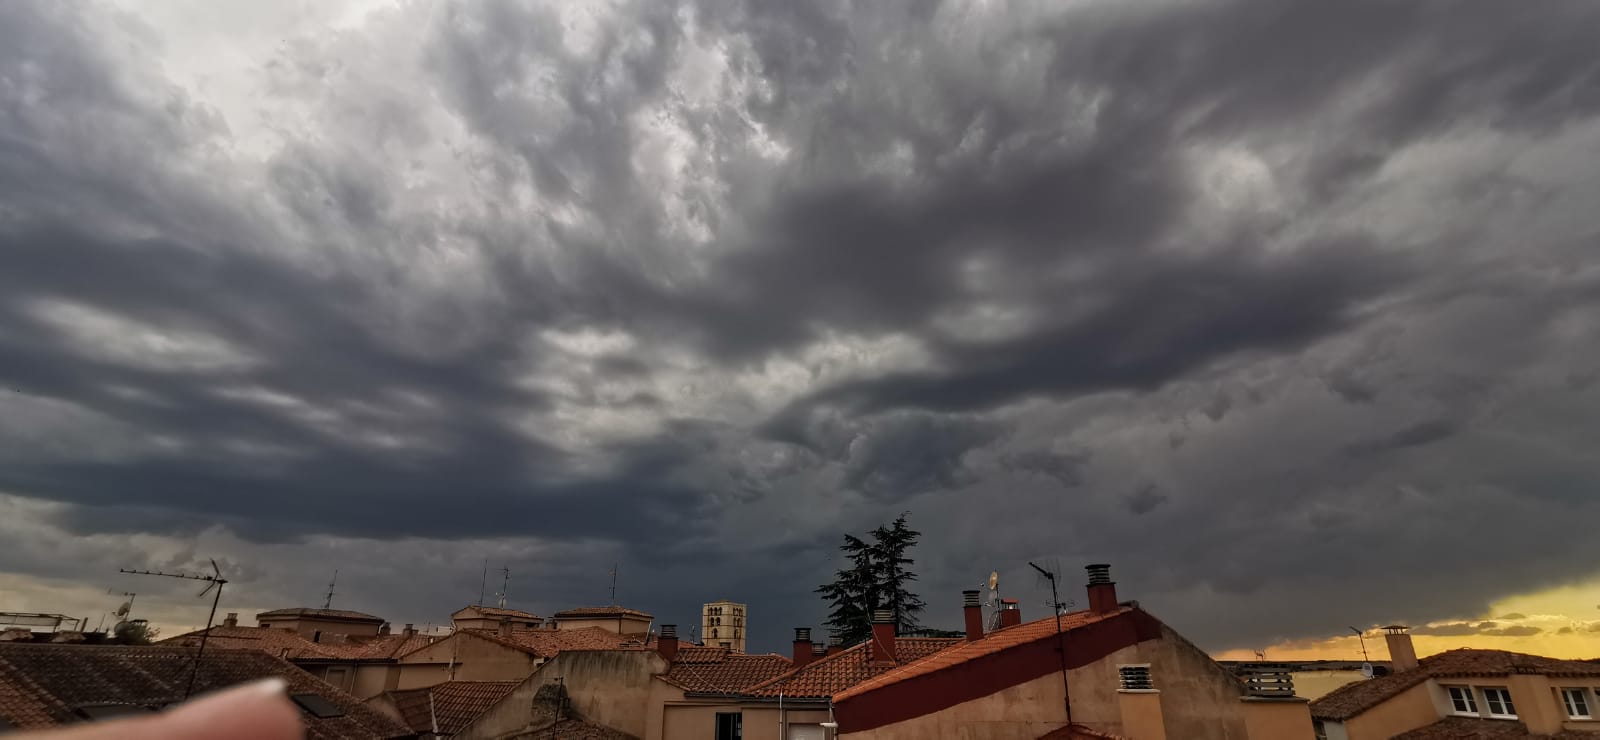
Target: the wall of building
pixel 606 687
pixel 1277 719
pixel 1021 712
pixel 624 625
pixel 308 627
pixel 761 720
pixel 372 680
pixel 727 620
pixel 463 657
pixel 1312 685
pixel 1406 711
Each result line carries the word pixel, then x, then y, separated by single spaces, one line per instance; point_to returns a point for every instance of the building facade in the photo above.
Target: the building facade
pixel 722 625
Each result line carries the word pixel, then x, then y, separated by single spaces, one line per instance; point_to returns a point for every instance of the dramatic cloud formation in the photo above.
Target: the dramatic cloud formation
pixel 1268 304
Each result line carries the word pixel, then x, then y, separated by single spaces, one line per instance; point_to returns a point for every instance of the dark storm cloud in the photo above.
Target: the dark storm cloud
pixel 1223 279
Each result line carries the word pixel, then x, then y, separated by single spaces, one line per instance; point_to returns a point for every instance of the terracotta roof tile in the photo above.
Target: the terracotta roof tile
pixel 594 612
pixel 1078 732
pixel 828 676
pixel 452 705
pixel 1352 699
pixel 304 613
pixel 1472 728
pixel 496 611
pixel 549 643
pixel 293 646
pixel 573 729
pixel 42 685
pixel 994 642
pixel 722 671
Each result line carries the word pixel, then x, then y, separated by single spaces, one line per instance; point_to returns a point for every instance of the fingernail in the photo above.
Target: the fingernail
pixel 265 687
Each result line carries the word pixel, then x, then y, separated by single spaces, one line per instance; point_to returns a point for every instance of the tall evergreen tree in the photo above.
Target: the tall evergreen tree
pixel 878 577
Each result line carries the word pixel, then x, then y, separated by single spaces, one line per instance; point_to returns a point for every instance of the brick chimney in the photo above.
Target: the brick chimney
pixel 505 628
pixel 972 610
pixel 1401 652
pixel 835 643
pixel 802 646
pixel 1010 614
pixel 409 631
pixel 383 629
pixel 882 636
pixel 667 643
pixel 1102 591
pixel 232 620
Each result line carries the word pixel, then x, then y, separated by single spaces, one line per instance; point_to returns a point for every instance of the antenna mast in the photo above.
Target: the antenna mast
pixel 505 583
pixel 613 584
pixel 483 584
pixel 328 602
pixel 216 581
pixel 1061 649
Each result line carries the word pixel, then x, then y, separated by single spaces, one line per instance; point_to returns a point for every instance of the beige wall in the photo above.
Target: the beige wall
pixel 1277 719
pixel 1141 715
pixel 309 627
pixel 1311 685
pixel 606 687
pixel 1408 710
pixel 371 680
pixel 1021 712
pixel 624 625
pixel 473 659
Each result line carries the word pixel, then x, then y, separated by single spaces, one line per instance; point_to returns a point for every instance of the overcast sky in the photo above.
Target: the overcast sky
pixel 1284 308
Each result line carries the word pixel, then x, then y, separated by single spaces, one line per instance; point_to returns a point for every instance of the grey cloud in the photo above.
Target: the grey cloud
pixel 860 259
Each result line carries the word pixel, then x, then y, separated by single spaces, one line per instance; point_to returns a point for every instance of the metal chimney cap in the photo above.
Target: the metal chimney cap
pixel 970 598
pixel 802 634
pixel 1099 573
pixel 882 616
pixel 669 630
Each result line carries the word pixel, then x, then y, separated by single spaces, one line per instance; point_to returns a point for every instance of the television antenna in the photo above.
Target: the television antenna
pixel 505 585
pixel 1363 638
pixel 216 581
pixel 328 602
pixel 1061 648
pixel 614 583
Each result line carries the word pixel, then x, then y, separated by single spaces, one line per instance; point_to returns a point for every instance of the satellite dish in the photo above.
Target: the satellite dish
pixel 122 611
pixel 1366 670
pixel 994 579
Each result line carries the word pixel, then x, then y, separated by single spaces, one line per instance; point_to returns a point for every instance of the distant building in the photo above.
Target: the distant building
pixel 441 710
pixel 1464 694
pixel 1314 679
pixel 722 625
pixel 44 686
pixel 479 617
pixel 501 655
pixel 618 619
pixel 310 623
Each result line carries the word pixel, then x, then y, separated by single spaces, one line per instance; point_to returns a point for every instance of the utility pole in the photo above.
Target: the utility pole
pixel 215 581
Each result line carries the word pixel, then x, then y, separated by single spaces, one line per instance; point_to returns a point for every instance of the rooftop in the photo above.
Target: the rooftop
pixel 48 685
pixel 548 643
pixel 963 651
pixel 293 646
pixel 594 612
pixel 1352 699
pixel 1077 732
pixel 497 611
pixel 449 706
pixel 722 671
pixel 341 615
pixel 1458 728
pixel 825 677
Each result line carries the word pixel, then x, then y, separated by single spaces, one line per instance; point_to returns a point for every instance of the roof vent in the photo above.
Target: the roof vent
pixel 1099 573
pixel 802 634
pixel 970 598
pixel 882 616
pixel 669 631
pixel 1135 678
pixel 1269 683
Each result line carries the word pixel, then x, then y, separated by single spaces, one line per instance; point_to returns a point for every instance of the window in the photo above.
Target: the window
pixel 730 726
pixel 317 706
pixel 1318 729
pixel 1461 700
pixel 1577 703
pixel 1498 700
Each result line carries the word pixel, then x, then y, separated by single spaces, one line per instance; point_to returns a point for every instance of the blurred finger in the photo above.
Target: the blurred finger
pixel 254 711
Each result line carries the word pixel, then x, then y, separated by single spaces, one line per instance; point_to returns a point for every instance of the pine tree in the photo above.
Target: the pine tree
pixel 878 577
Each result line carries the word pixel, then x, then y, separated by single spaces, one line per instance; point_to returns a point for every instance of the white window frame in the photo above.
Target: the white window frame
pixel 1582 696
pixel 1504 700
pixel 1466 695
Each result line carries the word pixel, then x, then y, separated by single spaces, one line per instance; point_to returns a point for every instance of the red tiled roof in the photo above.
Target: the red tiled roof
pixel 548 643
pixel 1078 732
pixel 449 706
pixel 1352 699
pixel 828 676
pixel 43 685
pixel 596 612
pixel 574 729
pixel 496 611
pixel 1473 728
pixel 304 613
pixel 722 671
pixel 994 642
pixel 292 646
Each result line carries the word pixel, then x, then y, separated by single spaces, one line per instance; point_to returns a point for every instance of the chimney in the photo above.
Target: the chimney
pixel 667 643
pixel 409 631
pixel 835 643
pixel 972 608
pixel 384 630
pixel 505 628
pixel 818 651
pixel 1010 615
pixel 232 620
pixel 1102 591
pixel 1140 704
pixel 882 636
pixel 1402 654
pixel 802 646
